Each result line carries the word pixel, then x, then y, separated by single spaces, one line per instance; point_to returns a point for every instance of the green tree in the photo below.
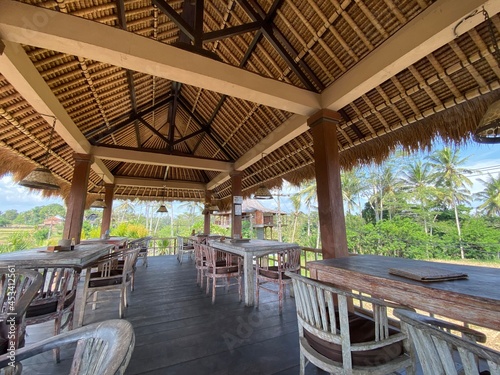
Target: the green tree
pixel 451 178
pixel 490 196
pixel 353 184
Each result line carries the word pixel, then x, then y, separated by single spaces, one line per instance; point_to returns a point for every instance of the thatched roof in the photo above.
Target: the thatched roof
pixel 161 102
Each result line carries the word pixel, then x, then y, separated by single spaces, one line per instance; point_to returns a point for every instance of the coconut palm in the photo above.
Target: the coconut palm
pixel 490 196
pixel 453 181
pixel 384 186
pixel 308 193
pixel 296 200
pixel 352 186
pixel 416 180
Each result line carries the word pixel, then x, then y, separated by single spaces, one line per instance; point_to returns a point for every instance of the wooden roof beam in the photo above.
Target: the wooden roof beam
pixel 146 182
pixel 80 37
pixel 158 158
pixel 17 68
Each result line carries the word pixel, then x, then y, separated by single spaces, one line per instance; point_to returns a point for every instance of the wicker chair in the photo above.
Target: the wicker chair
pixel 286 260
pixel 222 265
pixel 107 274
pixel 102 348
pixel 442 352
pixel 55 298
pixel 340 340
pixel 17 290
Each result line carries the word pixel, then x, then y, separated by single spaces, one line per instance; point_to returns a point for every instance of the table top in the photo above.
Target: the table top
pixel 254 247
pixel 79 258
pixel 475 299
pixel 120 241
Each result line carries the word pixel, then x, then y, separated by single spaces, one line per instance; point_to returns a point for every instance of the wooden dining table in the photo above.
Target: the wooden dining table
pixel 79 258
pixel 474 299
pixel 249 250
pixel 119 242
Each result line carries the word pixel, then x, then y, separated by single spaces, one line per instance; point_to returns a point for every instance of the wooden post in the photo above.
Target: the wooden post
pixel 329 188
pixel 77 197
pixel 109 191
pixel 206 221
pixel 236 192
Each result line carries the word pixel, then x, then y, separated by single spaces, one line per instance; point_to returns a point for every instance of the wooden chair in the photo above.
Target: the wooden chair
pixel 18 287
pixel 54 299
pixel 143 243
pixel 222 265
pixel 286 260
pixel 340 341
pixel 184 247
pixel 102 348
pixel 200 262
pixel 442 352
pixel 107 275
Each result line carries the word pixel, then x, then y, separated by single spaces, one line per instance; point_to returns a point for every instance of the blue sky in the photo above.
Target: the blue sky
pixel 481 157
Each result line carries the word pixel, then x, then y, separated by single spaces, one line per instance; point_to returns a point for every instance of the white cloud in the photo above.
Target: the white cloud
pixel 16 197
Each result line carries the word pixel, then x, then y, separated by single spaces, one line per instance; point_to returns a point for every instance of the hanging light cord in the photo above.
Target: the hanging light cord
pixel 496 52
pixel 50 142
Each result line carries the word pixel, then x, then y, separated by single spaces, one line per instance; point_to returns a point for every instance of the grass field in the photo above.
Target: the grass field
pixel 6 232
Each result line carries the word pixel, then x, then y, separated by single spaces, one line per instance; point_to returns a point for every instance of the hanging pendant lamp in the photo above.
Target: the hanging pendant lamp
pixel 488 129
pixel 99 202
pixel 42 178
pixel 162 208
pixel 262 192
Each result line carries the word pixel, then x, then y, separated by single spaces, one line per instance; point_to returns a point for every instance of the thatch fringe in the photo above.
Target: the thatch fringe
pixel 454 126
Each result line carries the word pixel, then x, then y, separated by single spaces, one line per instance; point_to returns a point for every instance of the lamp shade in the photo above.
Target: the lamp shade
pixel 40 178
pixel 98 203
pixel 213 207
pixel 162 209
pixel 488 130
pixel 262 193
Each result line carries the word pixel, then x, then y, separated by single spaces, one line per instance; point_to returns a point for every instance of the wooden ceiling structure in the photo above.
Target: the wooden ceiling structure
pixel 170 96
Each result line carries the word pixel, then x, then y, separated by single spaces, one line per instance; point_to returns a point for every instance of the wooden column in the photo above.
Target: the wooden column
pixel 109 191
pixel 77 197
pixel 235 192
pixel 206 221
pixel 323 126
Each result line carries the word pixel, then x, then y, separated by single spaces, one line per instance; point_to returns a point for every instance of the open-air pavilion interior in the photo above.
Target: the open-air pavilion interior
pixel 208 100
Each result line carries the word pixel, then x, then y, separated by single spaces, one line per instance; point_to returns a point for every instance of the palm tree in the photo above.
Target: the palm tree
pixel 490 196
pixel 308 192
pixel 296 202
pixel 455 185
pixel 352 186
pixel 416 179
pixel 384 184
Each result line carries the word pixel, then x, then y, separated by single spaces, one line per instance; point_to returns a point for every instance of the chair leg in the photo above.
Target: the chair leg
pixel 214 287
pixel 94 299
pixel 257 292
pixel 81 313
pixel 240 288
pixel 57 330
pixel 302 364
pixel 281 290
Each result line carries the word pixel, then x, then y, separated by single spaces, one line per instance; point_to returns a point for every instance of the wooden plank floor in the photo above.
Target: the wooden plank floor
pixel 179 331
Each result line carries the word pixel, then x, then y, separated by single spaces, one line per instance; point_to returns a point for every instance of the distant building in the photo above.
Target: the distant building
pixel 260 217
pixel 53 220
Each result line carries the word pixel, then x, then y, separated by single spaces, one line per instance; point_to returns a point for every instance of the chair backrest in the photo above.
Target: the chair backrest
pixel 284 260
pixel 216 258
pixel 103 348
pixel 437 348
pixel 326 319
pixel 59 285
pixel 18 287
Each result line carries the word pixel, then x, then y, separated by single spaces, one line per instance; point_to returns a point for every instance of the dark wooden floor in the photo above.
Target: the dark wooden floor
pixel 179 331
